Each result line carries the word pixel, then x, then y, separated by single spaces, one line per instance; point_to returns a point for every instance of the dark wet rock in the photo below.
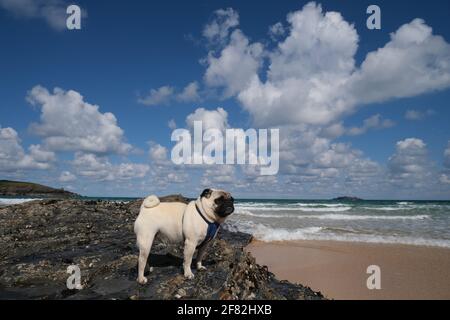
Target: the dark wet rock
pixel 40 239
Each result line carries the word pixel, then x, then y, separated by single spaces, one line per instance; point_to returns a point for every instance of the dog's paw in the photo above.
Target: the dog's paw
pixel 201 268
pixel 189 275
pixel 142 280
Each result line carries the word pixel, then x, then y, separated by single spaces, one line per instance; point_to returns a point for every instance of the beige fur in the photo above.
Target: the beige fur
pixel 177 222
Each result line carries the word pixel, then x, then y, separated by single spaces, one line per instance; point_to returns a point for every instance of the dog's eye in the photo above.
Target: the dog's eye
pixel 219 199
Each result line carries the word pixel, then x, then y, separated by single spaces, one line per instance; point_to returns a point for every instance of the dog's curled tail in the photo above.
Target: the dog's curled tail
pixel 151 201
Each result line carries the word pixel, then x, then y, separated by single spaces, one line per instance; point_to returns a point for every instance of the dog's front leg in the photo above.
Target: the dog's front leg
pixel 189 249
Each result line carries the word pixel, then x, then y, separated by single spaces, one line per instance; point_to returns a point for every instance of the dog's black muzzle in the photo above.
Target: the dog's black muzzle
pixel 225 208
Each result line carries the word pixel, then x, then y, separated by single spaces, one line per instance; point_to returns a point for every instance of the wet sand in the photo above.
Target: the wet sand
pixel 339 269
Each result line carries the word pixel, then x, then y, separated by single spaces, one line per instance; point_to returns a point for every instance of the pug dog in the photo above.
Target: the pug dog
pixel 195 224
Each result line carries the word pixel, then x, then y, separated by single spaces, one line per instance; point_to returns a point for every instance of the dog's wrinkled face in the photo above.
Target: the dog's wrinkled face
pixel 221 202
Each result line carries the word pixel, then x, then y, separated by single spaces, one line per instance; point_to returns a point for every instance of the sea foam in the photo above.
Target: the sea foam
pixel 332 216
pixel 11 201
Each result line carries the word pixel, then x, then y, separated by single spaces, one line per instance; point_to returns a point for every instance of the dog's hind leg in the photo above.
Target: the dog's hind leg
pixel 145 245
pixel 200 255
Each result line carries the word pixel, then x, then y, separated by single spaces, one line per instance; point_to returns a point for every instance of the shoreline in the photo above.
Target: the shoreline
pixel 98 237
pixel 339 269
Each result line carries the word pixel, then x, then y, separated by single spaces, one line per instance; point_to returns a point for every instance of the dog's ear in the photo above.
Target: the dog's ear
pixel 206 193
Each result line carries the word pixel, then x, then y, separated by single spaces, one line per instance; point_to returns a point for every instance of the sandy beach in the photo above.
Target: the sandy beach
pixel 338 269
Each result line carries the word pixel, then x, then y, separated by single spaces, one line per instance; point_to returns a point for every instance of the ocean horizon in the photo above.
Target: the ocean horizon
pixel 409 222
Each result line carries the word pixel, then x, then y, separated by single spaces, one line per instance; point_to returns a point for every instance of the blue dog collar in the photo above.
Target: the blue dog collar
pixel 213 228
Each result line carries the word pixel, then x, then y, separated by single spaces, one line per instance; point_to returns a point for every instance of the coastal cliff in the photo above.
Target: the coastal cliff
pixel 41 239
pixel 33 190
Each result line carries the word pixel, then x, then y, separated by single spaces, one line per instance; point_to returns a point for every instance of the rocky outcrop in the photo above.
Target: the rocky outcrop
pixel 32 190
pixel 40 239
pixel 347 198
pixel 174 198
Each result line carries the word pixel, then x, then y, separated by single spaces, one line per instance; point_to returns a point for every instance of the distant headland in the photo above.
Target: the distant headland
pixel 33 190
pixel 347 198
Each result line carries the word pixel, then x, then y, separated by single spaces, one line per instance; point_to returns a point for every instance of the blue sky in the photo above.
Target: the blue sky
pixel 381 132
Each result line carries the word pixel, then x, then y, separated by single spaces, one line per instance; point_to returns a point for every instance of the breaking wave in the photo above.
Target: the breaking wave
pixel 292 208
pixel 264 233
pixel 334 216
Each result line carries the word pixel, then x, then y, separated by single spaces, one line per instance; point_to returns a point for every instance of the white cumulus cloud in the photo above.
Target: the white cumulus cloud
pixel 223 20
pixel 13 157
pixel 276 31
pixel 67 176
pixel 311 75
pixel 413 62
pixel 415 115
pixel 68 123
pixel 373 122
pixel 167 94
pixel 51 11
pixel 235 66
pixel 211 119
pixel 158 153
pixel 159 96
pixel 190 93
pixel 410 163
pixel 99 168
